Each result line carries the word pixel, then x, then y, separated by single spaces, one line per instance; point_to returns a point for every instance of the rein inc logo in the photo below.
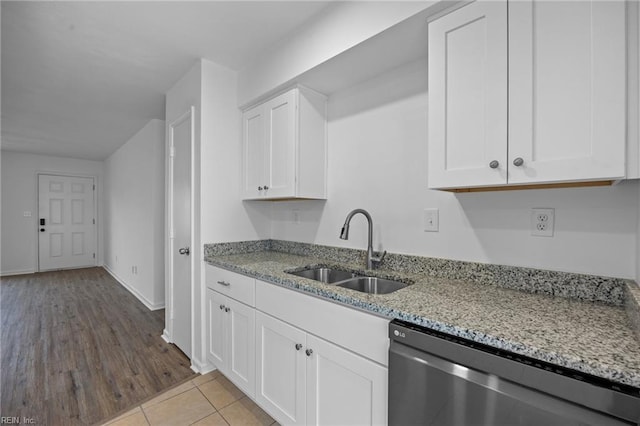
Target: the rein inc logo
pixel 17 420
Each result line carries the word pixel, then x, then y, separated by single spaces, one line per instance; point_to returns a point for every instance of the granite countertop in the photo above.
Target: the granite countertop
pixel 589 336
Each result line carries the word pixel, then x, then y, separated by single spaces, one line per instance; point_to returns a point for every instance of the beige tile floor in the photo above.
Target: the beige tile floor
pixel 207 400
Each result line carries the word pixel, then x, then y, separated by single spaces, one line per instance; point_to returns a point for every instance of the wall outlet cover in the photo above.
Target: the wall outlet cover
pixel 431 221
pixel 542 222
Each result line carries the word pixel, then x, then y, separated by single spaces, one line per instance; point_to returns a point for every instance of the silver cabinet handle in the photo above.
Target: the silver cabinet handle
pixel 266 187
pixel 224 283
pixel 518 162
pixel 298 346
pixel 184 250
pixel 494 164
pixel 309 352
pixel 259 188
pixel 227 309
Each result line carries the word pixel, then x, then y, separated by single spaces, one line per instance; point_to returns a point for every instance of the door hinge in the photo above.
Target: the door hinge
pixel 94 255
pixel 94 221
pixel 94 187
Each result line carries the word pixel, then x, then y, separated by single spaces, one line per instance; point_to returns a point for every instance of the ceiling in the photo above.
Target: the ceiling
pixel 80 78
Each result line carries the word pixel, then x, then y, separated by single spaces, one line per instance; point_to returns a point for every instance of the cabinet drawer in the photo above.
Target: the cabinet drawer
pixel 236 286
pixel 360 332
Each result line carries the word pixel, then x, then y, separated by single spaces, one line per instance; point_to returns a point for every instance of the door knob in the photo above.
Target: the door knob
pixel 184 250
pixel 298 346
pixel 266 187
pixel 518 162
pixel 309 352
pixel 41 229
pixel 494 164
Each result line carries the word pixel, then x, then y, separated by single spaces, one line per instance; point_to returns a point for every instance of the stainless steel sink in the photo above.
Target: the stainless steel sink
pixel 325 275
pixel 372 285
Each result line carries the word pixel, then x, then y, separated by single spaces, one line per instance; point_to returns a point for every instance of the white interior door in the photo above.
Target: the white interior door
pixel 66 222
pixel 181 134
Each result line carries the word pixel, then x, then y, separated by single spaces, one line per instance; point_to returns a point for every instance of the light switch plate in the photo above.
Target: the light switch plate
pixel 431 223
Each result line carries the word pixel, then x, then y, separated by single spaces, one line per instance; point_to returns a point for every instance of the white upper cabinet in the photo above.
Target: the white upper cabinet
pixel 468 96
pixel 284 143
pixel 531 93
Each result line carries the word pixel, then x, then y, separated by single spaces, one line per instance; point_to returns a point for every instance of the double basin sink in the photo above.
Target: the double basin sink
pixel 350 280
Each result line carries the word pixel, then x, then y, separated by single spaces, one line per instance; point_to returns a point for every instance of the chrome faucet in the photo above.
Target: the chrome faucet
pixel 372 260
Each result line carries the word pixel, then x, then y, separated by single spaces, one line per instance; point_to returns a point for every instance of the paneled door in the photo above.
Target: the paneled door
pixel 66 222
pixel 181 210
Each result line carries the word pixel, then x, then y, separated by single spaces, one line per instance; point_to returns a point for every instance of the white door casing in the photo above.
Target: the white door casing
pixel 66 222
pixel 180 222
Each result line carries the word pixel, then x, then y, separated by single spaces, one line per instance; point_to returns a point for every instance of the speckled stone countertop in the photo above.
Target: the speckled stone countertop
pixel 590 328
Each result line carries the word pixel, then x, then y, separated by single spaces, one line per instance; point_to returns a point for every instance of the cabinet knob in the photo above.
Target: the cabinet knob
pixel 224 283
pixel 221 307
pixel 309 352
pixel 298 346
pixel 494 164
pixel 518 162
pixel 227 309
pixel 259 188
pixel 266 187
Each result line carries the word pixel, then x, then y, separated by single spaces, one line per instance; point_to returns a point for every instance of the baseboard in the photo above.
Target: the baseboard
pixel 136 293
pixel 201 367
pixel 165 336
pixel 17 272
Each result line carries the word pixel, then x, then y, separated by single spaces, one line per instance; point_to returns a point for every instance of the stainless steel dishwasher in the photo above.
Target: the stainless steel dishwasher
pixel 438 379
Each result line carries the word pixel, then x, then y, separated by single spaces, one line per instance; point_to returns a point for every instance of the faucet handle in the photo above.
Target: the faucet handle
pixel 378 259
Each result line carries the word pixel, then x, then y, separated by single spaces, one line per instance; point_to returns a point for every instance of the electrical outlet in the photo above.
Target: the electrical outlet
pixel 542 221
pixel 431 220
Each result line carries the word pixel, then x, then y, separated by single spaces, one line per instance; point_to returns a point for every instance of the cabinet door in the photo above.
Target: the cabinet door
pixel 241 366
pixel 281 381
pixel 566 90
pixel 254 152
pixel 344 388
pixel 281 113
pixel 216 329
pixel 468 97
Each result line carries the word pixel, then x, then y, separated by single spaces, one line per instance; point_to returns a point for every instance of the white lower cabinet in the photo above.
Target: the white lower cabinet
pixel 304 360
pixel 302 379
pixel 231 339
pixel 281 367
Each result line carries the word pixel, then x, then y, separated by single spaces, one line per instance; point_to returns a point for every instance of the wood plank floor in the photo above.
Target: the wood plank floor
pixel 77 348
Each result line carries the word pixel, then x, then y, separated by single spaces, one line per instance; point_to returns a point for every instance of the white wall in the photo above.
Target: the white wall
pixel 224 217
pixel 340 27
pixel 19 194
pixel 134 214
pixel 377 161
